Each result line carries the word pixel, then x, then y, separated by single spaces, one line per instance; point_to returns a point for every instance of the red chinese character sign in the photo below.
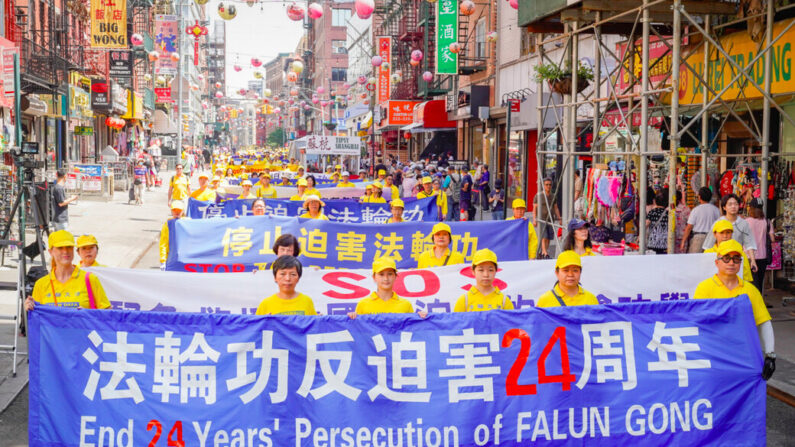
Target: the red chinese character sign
pixel 196 31
pixel 384 69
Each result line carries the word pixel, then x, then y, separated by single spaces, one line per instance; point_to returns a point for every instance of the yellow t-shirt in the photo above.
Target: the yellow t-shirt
pixel 714 288
pixel 205 195
pixel 164 241
pixel 424 195
pixel 376 200
pixel 747 274
pixel 345 185
pixel 72 293
pixel 373 304
pixel 292 168
pixel 588 252
pixel 365 198
pixel 429 259
pixel 267 193
pixel 441 202
pixel 297 198
pixel 273 305
pixel 395 192
pixel 93 264
pixel 179 187
pixel 474 301
pixel 320 217
pixel 532 239
pixel 582 298
pixel 312 192
pixel 392 220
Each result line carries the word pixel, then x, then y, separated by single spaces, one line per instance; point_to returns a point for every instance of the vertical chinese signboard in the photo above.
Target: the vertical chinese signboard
pixel 166 41
pixel 446 33
pixel 385 69
pixel 108 24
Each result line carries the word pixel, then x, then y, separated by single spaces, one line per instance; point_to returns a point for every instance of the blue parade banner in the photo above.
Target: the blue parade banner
pixel 650 374
pixel 244 244
pixel 320 182
pixel 337 210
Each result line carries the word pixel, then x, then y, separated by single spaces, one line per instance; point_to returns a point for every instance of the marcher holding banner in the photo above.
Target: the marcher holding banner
pixel 246 194
pixel 727 284
pixel 396 206
pixel 368 192
pixel 177 210
pixel 301 185
pixel 567 290
pixel 314 208
pixel 383 300
pixel 264 188
pixel 287 272
pixel 377 195
pixel 258 207
pixel 204 193
pixel 67 285
pixel 311 186
pixel 483 295
pixel 87 249
pixel 440 254
pixel 519 208
pixel 346 183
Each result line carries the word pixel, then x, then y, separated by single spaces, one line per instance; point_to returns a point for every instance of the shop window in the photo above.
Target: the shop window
pixel 340 17
pixel 528 42
pixel 339 74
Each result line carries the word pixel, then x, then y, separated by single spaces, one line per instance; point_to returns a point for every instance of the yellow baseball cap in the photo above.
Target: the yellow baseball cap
pixel 381 172
pixel 484 255
pixel 86 240
pixel 265 174
pixel 378 185
pixel 518 203
pixel 245 182
pixel 730 246
pixel 567 258
pixel 383 263
pixel 368 187
pixel 397 203
pixel 338 167
pixel 427 180
pixel 441 226
pixel 60 238
pixel 722 225
pixel 301 182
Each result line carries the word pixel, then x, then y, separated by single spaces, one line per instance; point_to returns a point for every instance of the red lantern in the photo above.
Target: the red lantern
pixel 109 122
pixel 407 135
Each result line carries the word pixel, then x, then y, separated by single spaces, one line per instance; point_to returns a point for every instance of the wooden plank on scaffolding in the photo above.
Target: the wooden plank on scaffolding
pixel 580 15
pixel 693 7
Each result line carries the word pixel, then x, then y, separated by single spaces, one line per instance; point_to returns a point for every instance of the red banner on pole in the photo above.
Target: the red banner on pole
pixel 385 69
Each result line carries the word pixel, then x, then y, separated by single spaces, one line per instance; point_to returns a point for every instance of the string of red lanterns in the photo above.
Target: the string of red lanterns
pixel 115 123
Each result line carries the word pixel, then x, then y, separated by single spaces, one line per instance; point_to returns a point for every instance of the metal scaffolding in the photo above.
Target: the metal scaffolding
pixel 685 30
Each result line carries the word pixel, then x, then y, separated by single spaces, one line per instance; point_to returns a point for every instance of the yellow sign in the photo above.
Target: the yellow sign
pixel 108 23
pixel 742 51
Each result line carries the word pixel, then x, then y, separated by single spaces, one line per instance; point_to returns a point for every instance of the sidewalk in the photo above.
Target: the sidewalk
pixel 125 233
pixel 782 384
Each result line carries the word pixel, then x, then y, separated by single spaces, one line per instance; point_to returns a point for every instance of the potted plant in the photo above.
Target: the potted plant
pixel 559 79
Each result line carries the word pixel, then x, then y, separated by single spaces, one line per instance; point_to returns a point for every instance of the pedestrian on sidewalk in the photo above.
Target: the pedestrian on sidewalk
pixel 61 203
pixel 497 201
pixel 699 222
pixel 764 236
pixel 465 199
pixel 545 214
pixel 452 187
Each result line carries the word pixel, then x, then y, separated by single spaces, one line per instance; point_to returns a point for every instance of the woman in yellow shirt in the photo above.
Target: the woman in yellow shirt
pixel 383 300
pixel 376 197
pixel 483 295
pixel 397 206
pixel 567 290
pixel 368 192
pixel 87 249
pixel 311 190
pixel 301 185
pixel 440 254
pixel 247 194
pixel 66 285
pixel 264 188
pixel 578 239
pixel 346 182
pixel 441 198
pixel 287 301
pixel 314 208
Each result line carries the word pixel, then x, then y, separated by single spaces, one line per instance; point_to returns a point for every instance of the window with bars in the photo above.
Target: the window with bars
pixel 339 74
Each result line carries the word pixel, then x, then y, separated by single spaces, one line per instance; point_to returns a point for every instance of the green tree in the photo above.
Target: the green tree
pixel 276 137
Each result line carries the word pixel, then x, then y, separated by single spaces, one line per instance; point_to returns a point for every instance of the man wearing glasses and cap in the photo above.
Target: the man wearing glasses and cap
pixel 727 284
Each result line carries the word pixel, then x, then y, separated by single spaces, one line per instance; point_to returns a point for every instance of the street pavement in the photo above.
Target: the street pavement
pixel 128 236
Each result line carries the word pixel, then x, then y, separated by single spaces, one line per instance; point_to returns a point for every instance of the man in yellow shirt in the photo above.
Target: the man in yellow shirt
pixel 383 300
pixel 567 290
pixel 727 284
pixel 204 193
pixel 393 190
pixel 301 185
pixel 440 254
pixel 722 229
pixel 397 206
pixel 427 188
pixel 264 188
pixel 346 182
pixel 87 249
pixel 178 186
pixel 483 295
pixel 177 208
pixel 66 285
pixel 287 301
pixel 519 208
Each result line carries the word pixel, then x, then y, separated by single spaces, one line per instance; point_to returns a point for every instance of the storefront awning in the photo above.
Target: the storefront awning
pixel 430 116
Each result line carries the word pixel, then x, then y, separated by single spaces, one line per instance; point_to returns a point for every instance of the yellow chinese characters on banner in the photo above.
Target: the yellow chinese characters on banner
pixel 108 23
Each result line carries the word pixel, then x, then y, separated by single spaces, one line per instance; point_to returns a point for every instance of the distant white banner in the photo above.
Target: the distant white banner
pixel 326 145
pixel 613 279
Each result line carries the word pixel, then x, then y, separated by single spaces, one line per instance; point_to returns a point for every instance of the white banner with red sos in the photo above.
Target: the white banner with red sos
pixel 613 279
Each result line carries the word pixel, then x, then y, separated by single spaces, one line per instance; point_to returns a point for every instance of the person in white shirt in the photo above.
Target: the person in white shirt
pixel 699 223
pixel 730 204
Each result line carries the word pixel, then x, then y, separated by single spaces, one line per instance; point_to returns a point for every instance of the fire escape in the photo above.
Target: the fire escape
pixel 140 22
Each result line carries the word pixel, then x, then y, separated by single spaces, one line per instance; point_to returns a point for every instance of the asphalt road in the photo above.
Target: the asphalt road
pixel 14 423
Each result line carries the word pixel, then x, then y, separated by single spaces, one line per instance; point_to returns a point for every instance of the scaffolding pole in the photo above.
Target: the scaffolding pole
pixel 766 104
pixel 644 129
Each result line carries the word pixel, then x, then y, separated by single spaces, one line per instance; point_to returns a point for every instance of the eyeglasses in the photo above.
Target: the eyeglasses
pixel 735 259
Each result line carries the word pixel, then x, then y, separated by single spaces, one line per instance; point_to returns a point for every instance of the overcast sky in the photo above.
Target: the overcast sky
pixel 262 31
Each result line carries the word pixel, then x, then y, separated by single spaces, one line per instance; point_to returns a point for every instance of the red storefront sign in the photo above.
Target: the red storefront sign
pixel 163 95
pixel 385 69
pixel 400 113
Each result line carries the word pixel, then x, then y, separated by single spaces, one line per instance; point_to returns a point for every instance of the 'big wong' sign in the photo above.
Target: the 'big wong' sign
pixel 108 24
